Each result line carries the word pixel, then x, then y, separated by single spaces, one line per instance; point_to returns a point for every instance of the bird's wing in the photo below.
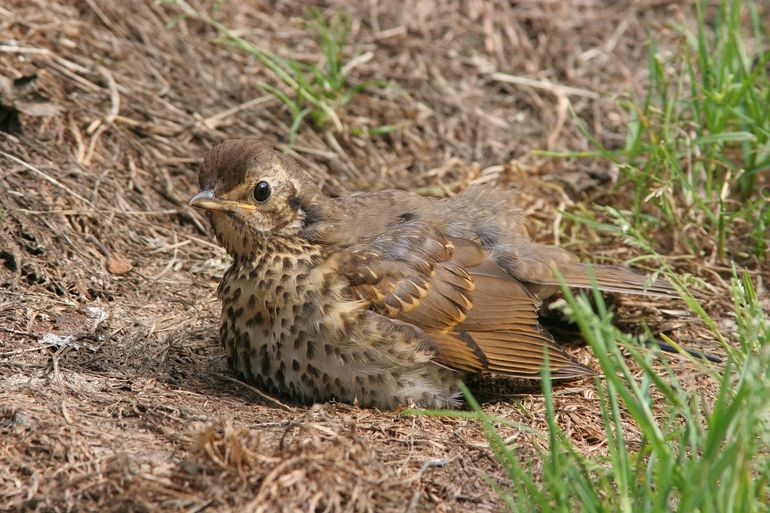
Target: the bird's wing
pixel 490 217
pixel 478 316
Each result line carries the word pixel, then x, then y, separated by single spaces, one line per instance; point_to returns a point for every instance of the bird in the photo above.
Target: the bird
pixel 382 299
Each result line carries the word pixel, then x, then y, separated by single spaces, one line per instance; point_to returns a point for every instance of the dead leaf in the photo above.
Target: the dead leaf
pixel 119 265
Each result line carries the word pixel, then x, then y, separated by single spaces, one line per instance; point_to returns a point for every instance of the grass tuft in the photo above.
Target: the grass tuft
pixel 699 142
pixel 696 454
pixel 694 157
pixel 310 93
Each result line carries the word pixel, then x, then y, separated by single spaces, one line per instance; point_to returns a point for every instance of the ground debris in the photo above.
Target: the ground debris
pixel 126 97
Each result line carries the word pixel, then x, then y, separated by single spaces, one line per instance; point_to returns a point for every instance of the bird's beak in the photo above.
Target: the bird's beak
pixel 207 200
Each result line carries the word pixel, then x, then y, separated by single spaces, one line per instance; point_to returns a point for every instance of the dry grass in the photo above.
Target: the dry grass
pixel 113 106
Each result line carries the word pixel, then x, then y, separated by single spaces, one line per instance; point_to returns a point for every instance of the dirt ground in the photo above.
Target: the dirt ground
pixel 114 392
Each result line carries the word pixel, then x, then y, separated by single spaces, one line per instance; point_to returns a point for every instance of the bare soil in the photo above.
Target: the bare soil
pixel 114 392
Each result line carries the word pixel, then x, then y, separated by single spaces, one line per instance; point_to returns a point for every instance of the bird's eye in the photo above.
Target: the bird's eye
pixel 262 191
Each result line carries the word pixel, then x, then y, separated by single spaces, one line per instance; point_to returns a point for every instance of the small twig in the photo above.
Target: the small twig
pixel 46 177
pixel 58 379
pixel 23 351
pixel 100 14
pixel 81 146
pixel 24 50
pixel 59 65
pixel 97 129
pixel 76 212
pixel 170 246
pixel 104 249
pixel 561 116
pixel 114 94
pixel 202 242
pixel 18 332
pixel 173 259
pixel 356 61
pixel 543 84
pixel 213 121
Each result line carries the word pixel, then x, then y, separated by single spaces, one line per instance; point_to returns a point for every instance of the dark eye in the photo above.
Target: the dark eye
pixel 262 191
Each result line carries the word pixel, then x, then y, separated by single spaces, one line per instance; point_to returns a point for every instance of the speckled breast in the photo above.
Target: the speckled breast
pixel 289 327
pixel 268 308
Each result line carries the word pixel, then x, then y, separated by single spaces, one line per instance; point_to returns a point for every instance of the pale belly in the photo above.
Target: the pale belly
pixel 315 347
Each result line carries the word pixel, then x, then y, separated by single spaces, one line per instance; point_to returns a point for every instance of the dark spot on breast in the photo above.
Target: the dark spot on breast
pixel 264 360
pixel 245 361
pixel 254 320
pixel 310 351
pixel 295 365
pixel 268 384
pixel 252 302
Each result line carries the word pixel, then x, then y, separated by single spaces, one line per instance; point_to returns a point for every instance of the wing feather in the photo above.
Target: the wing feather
pixel 479 317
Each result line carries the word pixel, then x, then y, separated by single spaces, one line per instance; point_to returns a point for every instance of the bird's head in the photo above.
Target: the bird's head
pixel 253 194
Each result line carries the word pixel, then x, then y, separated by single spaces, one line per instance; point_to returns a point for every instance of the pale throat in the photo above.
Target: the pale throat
pixel 252 248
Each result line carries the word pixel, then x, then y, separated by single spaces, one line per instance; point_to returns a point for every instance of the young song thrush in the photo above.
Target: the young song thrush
pixel 383 298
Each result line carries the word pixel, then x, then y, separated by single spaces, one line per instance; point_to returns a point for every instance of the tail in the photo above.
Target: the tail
pixel 535 264
pixel 610 278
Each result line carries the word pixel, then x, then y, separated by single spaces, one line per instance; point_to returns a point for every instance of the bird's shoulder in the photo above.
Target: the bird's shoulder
pixel 360 218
